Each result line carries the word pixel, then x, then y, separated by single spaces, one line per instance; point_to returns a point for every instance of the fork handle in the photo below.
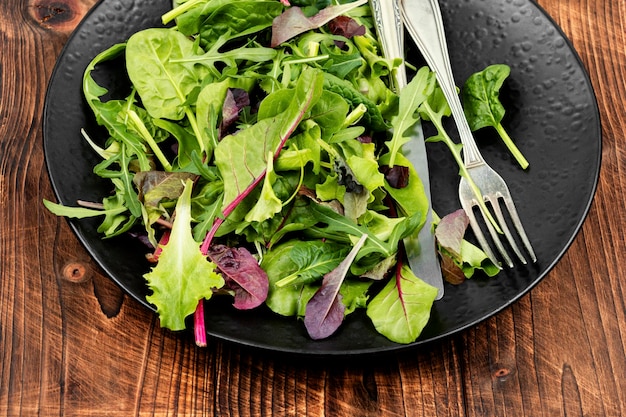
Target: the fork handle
pixel 425 25
pixel 388 18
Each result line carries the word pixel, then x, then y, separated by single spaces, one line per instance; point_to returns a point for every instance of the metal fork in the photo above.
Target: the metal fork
pixel 425 25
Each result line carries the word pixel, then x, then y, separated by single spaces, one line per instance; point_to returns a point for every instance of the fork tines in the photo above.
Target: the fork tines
pixel 494 203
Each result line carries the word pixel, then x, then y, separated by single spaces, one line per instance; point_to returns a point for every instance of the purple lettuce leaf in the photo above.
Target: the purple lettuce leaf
pixel 450 231
pixel 242 274
pixel 294 22
pixel 325 311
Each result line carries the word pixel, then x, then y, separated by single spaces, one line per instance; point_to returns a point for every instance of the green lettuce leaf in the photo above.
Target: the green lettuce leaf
pixel 183 275
pixel 401 310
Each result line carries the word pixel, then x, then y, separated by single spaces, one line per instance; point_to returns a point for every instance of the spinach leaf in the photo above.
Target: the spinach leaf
pixel 483 108
pixel 287 300
pixel 310 260
pixel 163 83
pixel 372 117
pixel 212 19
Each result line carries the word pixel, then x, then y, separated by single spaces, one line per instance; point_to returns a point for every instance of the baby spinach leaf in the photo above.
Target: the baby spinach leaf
pixel 372 117
pixel 330 112
pixel 310 260
pixel 278 264
pixel 212 19
pixel 162 83
pixel 483 108
pixel 325 311
pixel 401 310
pixel 183 275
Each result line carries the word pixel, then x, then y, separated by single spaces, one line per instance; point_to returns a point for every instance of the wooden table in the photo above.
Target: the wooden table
pixel 71 343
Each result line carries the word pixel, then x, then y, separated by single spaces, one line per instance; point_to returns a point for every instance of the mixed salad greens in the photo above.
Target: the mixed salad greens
pixel 253 152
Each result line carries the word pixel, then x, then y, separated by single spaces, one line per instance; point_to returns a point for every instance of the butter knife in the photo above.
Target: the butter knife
pixel 421 249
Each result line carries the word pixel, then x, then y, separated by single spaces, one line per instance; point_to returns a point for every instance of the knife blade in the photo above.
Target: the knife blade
pixel 421 249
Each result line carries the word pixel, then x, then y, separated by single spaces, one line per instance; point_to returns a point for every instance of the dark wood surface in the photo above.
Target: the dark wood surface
pixel 72 344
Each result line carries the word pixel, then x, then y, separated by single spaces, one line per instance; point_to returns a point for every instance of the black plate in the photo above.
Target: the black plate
pixel 552 112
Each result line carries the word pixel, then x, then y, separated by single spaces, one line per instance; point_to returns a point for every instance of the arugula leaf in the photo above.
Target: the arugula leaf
pixel 335 226
pixel 183 275
pixel 79 212
pixel 483 108
pixel 401 310
pixel 411 97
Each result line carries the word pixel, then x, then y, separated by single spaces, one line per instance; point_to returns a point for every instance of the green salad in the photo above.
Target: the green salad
pixel 254 153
